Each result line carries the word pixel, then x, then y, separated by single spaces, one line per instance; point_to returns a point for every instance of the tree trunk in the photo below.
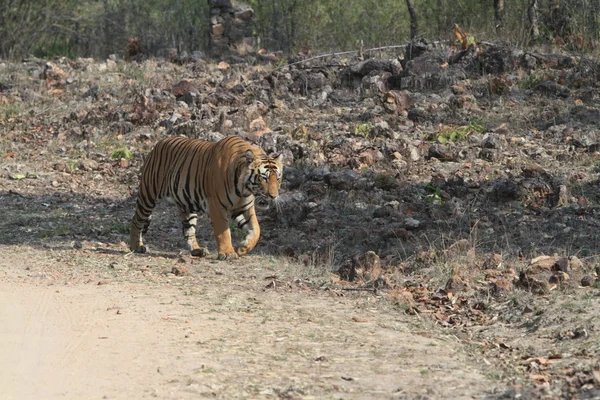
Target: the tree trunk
pixel 499 15
pixel 533 20
pixel 414 26
pixel 277 37
pixel 439 14
pixel 594 18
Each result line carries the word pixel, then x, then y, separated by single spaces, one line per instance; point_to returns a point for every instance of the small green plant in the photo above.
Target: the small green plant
pixel 300 133
pixel 123 152
pixel 8 111
pixel 436 196
pixel 132 72
pixel 363 130
pixel 532 80
pixel 453 134
pixel 280 63
pixel 61 230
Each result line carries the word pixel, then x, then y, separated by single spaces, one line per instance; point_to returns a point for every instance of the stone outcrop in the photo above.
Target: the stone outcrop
pixel 230 28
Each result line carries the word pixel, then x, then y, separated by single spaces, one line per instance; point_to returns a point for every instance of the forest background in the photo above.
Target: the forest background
pixel 98 28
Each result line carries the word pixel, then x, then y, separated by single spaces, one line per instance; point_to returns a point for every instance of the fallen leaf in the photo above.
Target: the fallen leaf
pixel 539 378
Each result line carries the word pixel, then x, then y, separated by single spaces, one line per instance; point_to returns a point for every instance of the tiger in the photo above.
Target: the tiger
pixel 222 179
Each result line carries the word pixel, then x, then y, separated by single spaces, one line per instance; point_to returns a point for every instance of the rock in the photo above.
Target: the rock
pixel 62 167
pixel 442 153
pixel 575 263
pixel 501 286
pixel 370 156
pixel 366 267
pixel 91 92
pixel 411 223
pixel 562 264
pixel 489 154
pixel 543 263
pixel 529 282
pixel 344 180
pixel 179 270
pixel 557 61
pixel 552 88
pixel 183 87
pixel 111 65
pixel 244 14
pixel 369 266
pixel 497 59
pixel 258 127
pixel 375 84
pixel 415 154
pixel 493 141
pixel 528 61
pixel 367 66
pixel 53 74
pixel 558 277
pixel 319 173
pixel 218 29
pixel 397 100
pixel 418 115
pixel 415 48
pixel 455 284
pixel 587 281
pixel 190 98
pixel 89 165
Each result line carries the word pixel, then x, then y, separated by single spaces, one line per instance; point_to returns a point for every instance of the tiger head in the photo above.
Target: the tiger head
pixel 264 177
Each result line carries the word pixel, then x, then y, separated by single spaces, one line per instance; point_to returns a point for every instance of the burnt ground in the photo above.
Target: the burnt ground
pixel 456 189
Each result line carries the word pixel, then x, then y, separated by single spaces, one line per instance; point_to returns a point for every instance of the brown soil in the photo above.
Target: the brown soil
pixel 99 324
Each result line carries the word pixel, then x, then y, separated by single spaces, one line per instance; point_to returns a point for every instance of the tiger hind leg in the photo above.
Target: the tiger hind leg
pixel 137 230
pixel 139 226
pixel 188 222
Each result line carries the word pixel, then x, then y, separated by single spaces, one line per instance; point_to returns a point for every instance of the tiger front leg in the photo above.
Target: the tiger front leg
pixel 188 222
pixel 248 222
pixel 222 234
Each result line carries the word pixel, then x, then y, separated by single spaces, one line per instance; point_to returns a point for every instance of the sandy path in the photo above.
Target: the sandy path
pixel 214 338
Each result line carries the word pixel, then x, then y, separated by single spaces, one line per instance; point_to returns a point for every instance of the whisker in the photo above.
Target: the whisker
pixel 279 206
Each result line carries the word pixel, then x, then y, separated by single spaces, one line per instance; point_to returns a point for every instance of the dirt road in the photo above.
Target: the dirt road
pixel 82 324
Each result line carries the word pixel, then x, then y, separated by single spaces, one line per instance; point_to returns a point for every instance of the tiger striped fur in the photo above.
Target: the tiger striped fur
pixel 220 178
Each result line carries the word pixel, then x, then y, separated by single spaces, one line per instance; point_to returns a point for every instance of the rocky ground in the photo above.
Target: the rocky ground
pixel 455 187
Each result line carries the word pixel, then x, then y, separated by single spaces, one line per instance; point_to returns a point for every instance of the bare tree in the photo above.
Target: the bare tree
pixel 414 25
pixel 499 14
pixel 533 19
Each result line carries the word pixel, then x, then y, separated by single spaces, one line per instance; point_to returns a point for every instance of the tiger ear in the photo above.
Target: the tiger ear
pixel 278 159
pixel 249 156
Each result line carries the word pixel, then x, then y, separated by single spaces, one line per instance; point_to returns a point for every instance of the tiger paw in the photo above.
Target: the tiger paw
pixel 227 256
pixel 241 250
pixel 200 252
pixel 140 249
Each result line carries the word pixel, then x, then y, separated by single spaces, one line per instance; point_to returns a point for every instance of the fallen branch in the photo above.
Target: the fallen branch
pixel 341 53
pixel 360 289
pixel 353 52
